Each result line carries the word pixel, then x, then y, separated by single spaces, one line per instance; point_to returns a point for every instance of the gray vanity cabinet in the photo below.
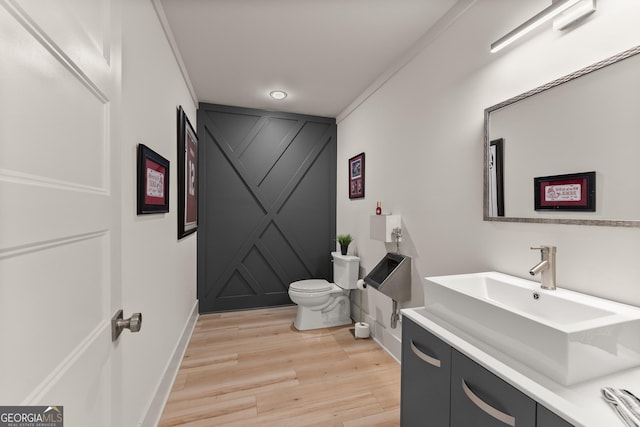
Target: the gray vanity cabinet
pixel 426 372
pixel 481 399
pixel 546 418
pixel 442 387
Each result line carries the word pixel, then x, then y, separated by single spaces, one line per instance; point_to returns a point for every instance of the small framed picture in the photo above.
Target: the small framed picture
pixel 356 177
pixel 153 181
pixel 570 192
pixel 187 176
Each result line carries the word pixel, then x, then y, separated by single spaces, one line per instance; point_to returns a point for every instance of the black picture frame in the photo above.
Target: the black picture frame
pixel 187 176
pixel 496 170
pixel 356 176
pixel 152 182
pixel 568 192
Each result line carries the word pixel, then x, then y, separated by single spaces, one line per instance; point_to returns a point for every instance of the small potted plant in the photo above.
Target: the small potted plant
pixel 344 240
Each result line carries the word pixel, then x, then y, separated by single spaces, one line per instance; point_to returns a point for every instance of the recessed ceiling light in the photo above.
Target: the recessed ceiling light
pixel 278 94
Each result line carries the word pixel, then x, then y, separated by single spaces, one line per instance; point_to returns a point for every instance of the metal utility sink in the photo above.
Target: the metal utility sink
pixel 568 336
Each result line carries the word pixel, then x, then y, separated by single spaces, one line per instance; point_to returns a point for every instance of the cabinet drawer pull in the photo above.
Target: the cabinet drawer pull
pixel 430 360
pixel 484 406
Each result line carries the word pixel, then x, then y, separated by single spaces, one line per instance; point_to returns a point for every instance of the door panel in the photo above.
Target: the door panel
pixel 268 208
pixel 43 281
pixel 426 377
pixel 59 207
pixel 482 399
pixel 79 30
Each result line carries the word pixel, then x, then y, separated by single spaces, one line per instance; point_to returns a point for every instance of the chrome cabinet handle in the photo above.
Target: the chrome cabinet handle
pixel 430 360
pixel 485 407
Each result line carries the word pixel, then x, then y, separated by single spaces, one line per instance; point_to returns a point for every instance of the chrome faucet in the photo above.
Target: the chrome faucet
pixel 546 267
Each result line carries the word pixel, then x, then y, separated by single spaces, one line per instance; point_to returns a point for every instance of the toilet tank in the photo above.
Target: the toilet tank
pixel 345 270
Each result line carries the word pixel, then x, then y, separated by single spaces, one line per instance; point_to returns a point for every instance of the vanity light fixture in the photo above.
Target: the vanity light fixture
pixel 278 94
pixel 556 8
pixel 580 10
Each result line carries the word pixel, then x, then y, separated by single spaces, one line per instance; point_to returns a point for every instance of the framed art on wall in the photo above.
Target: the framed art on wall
pixel 356 176
pixel 153 182
pixel 187 176
pixel 496 177
pixel 570 192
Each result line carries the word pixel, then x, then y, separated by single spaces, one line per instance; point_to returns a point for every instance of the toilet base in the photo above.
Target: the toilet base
pixel 314 318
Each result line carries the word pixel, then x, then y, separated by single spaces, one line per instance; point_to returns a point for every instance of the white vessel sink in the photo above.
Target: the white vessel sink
pixel 567 336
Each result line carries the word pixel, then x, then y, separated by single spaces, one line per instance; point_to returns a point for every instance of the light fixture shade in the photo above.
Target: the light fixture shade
pixel 278 94
pixel 546 15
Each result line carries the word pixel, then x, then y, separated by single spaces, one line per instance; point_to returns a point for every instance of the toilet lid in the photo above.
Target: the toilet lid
pixel 312 285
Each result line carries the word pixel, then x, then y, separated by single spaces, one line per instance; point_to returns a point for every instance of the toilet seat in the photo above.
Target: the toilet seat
pixel 311 286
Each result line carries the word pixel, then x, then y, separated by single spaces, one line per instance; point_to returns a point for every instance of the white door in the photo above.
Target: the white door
pixel 59 207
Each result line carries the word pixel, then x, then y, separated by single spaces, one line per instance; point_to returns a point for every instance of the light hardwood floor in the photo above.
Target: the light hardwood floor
pixel 253 368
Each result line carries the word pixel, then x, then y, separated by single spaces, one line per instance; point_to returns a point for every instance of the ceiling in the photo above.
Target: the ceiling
pixel 326 54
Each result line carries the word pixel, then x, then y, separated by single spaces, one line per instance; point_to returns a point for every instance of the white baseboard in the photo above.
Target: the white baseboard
pixel 379 332
pixel 389 342
pixel 152 415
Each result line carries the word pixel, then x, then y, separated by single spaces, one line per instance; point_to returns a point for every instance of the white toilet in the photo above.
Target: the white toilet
pixel 322 304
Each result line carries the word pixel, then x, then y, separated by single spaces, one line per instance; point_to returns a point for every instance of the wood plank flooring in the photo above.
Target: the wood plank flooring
pixel 253 368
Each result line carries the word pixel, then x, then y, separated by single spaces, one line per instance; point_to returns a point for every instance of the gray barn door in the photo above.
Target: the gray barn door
pixel 267 205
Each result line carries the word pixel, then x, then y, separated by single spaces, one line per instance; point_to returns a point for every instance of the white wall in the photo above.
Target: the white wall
pixel 422 134
pixel 158 271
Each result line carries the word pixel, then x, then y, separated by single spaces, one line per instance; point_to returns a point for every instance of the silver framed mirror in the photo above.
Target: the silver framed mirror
pixel 588 120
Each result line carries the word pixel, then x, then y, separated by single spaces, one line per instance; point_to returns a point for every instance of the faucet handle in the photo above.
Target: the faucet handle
pixel 551 249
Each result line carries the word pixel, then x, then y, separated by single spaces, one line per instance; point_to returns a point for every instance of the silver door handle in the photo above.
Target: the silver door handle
pixel 119 323
pixel 430 360
pixel 485 407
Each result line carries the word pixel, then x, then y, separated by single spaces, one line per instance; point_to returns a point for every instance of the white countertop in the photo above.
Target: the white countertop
pixel 581 404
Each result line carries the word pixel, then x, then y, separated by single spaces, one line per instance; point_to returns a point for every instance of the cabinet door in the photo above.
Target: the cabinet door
pixel 426 370
pixel 481 399
pixel 546 418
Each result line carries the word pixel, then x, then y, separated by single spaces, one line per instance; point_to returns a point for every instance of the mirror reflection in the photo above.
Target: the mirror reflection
pixel 549 141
